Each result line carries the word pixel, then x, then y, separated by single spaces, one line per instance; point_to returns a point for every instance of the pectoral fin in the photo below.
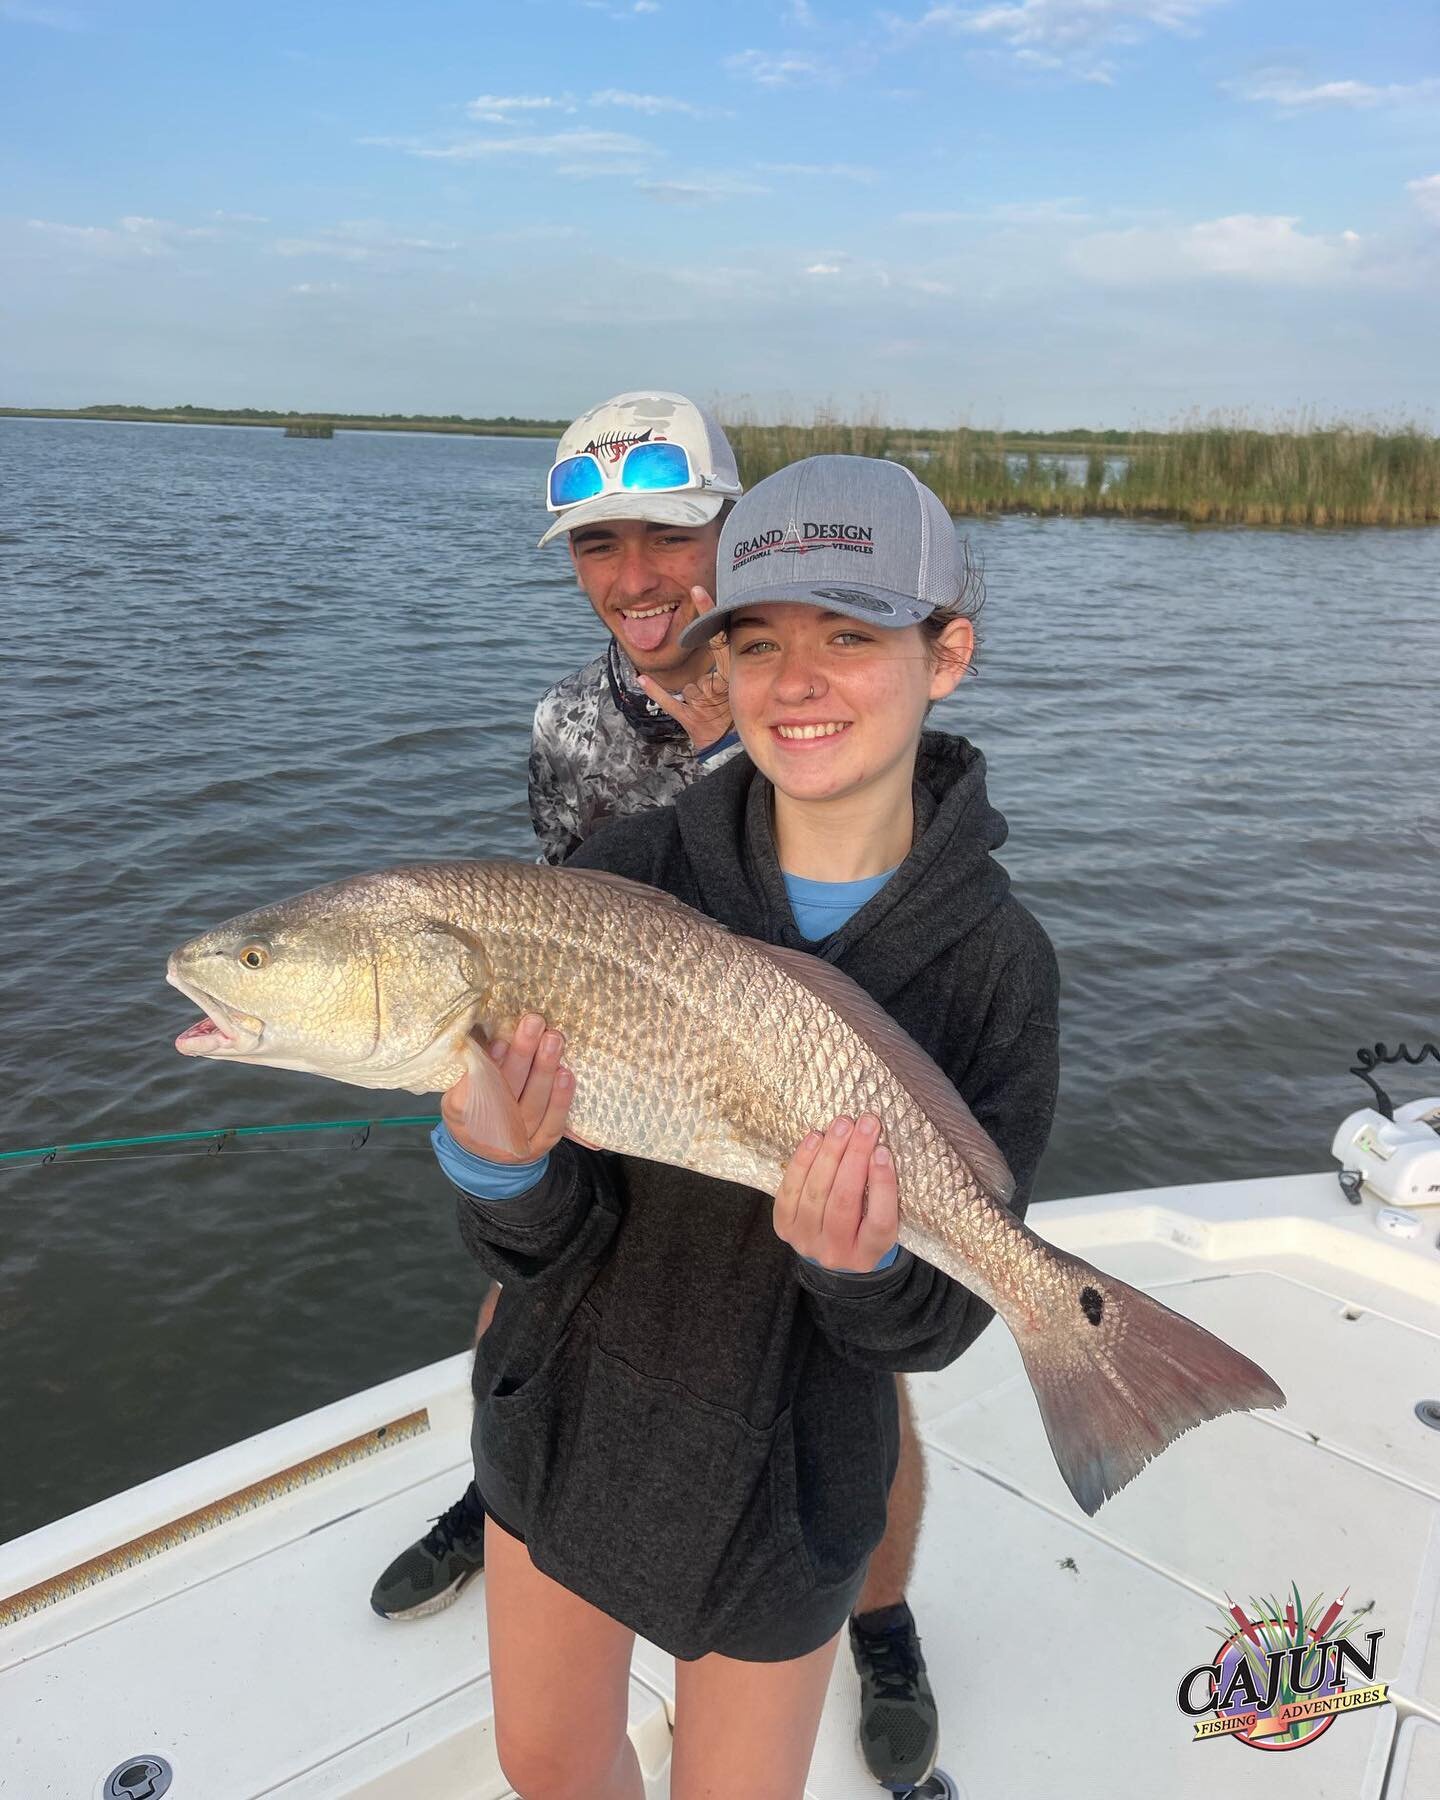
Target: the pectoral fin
pixel 492 1114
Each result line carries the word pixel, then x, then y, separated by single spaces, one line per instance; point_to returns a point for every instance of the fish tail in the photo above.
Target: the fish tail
pixel 1119 1376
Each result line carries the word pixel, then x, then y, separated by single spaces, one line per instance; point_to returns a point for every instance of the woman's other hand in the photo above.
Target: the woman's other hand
pixel 512 1104
pixel 838 1201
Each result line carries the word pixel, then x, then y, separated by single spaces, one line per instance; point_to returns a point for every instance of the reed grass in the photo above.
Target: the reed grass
pixel 1215 472
pixel 1220 471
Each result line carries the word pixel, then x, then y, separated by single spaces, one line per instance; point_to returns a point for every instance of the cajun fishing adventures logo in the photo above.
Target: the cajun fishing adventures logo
pixel 1277 1681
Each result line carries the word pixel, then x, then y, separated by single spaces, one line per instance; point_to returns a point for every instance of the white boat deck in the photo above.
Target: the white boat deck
pixel 245 1653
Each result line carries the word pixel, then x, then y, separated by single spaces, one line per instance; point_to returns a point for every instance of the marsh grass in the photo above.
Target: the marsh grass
pixel 1220 471
pixel 1229 473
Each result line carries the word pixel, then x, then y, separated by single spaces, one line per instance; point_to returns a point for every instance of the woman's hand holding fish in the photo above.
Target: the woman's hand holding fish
pixel 838 1201
pixel 539 1087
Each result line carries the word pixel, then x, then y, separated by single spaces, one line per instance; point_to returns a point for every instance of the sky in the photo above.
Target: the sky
pixel 1032 213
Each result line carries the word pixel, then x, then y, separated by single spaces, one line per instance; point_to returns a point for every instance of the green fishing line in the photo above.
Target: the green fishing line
pixel 216 1135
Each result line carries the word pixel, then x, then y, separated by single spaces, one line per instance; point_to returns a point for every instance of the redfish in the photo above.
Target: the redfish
pixel 694 1046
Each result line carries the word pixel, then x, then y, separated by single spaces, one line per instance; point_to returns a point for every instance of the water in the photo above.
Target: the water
pixel 234 666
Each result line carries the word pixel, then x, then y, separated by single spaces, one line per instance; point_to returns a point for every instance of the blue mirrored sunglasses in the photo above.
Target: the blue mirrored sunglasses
pixel 653 468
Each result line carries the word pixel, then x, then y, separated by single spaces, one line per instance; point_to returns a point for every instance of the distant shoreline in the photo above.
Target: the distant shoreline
pixel 1072 442
pixel 1222 472
pixel 198 415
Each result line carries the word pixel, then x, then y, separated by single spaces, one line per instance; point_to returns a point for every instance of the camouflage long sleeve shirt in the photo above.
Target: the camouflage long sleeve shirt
pixel 600 750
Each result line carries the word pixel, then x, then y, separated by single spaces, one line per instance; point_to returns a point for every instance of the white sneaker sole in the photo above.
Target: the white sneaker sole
pixel 888 1785
pixel 427 1607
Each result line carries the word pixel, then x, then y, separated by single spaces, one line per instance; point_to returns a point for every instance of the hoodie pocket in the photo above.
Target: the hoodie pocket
pixel 664 1510
pixel 517 1436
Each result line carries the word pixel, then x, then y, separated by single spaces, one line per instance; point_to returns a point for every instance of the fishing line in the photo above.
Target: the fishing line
pixel 85 1162
pixel 216 1138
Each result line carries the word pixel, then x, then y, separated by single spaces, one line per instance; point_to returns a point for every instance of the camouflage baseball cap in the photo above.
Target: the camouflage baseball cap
pixel 676 489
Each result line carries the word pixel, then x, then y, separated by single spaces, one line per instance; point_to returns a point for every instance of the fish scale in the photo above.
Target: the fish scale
pixel 794 1065
pixel 717 1053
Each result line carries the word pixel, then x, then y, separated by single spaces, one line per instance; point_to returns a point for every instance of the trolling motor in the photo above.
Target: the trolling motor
pixel 1391 1152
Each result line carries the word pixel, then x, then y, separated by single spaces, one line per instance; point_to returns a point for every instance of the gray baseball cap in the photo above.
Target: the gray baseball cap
pixel 856 535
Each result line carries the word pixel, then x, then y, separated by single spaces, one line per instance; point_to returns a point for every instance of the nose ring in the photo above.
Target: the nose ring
pixel 811 694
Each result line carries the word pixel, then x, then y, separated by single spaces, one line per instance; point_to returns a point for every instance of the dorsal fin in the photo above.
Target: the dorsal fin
pixel 639 890
pixel 921 1076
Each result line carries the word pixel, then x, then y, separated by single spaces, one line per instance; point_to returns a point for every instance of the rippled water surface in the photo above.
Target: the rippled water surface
pixel 234 666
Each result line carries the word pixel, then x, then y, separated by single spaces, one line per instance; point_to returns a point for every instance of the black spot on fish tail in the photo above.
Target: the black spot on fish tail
pixel 1114 1397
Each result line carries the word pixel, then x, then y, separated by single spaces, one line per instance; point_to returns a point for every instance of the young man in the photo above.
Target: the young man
pixel 640 487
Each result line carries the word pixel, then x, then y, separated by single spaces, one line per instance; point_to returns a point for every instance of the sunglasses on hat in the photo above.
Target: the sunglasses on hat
pixel 652 468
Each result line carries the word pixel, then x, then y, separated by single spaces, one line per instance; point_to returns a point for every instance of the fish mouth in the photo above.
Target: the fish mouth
pixel 224 1031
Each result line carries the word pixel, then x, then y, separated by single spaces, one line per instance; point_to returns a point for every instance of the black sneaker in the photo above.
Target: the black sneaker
pixel 429 1575
pixel 899 1721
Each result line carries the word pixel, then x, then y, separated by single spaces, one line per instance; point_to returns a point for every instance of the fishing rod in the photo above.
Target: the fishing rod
pixel 215 1138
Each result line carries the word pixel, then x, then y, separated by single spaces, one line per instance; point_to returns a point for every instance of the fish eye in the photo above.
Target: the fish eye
pixel 254 956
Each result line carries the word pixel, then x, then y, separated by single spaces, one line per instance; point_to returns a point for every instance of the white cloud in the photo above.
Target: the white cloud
pixel 557 143
pixel 357 240
pixel 777 68
pixel 499 109
pixel 375 235
pixel 320 247
pixel 53 18
pixel 1291 95
pixel 799 14
pixel 1061 36
pixel 1060 23
pixel 1427 195
pixel 1247 247
pixel 1085 67
pixel 133 235
pixel 240 218
pixel 526 234
pixel 318 287
pixel 649 104
pixel 700 190
pixel 853 277
pixel 78 234
pixel 601 170
pixel 1025 212
pixel 163 231
pixel 825 171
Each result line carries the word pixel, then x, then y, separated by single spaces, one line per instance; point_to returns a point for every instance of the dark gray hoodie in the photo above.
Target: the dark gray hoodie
pixel 690 1426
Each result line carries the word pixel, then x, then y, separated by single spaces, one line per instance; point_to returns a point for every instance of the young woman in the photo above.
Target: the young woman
pixel 686 1413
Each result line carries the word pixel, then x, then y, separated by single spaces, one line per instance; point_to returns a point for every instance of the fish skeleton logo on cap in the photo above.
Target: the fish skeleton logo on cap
pixel 613 444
